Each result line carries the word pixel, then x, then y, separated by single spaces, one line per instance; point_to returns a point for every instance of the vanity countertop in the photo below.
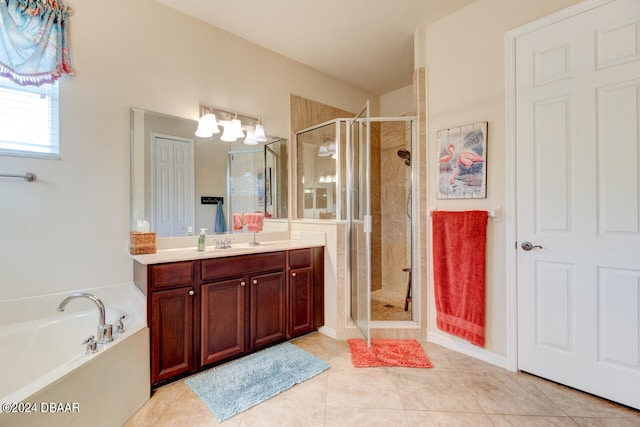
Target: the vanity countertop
pixel 189 254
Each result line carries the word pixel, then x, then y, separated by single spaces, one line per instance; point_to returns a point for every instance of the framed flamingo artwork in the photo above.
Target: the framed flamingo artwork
pixel 462 162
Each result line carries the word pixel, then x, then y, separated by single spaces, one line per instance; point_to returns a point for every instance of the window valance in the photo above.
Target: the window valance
pixel 34 42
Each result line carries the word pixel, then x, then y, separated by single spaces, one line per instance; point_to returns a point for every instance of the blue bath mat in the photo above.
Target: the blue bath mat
pixel 237 386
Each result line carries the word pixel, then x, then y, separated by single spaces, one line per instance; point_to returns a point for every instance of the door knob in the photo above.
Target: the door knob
pixel 527 246
pixel 242 283
pixel 192 292
pixel 255 282
pixel 293 274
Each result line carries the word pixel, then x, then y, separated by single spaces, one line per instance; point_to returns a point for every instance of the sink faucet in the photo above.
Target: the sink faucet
pixel 105 331
pixel 223 243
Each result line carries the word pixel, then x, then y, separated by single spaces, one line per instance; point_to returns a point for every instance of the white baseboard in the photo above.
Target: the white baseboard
pixel 461 346
pixel 330 332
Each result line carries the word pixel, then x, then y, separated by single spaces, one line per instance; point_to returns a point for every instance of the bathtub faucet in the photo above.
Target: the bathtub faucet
pixel 105 331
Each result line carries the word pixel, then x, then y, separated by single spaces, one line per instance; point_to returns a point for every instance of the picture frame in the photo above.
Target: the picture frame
pixel 462 162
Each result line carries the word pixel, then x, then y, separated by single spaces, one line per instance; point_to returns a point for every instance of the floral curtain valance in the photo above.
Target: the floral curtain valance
pixel 34 42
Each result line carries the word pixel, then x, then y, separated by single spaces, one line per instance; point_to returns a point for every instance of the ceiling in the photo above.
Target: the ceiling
pixel 368 43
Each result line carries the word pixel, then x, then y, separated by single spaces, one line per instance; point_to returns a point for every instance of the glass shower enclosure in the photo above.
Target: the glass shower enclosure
pixel 358 170
pixel 254 181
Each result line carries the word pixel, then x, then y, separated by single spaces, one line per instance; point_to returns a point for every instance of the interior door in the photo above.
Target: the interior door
pixel 359 219
pixel 174 199
pixel 578 201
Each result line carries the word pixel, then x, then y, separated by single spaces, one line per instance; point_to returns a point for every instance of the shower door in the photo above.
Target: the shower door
pixel 245 185
pixel 359 219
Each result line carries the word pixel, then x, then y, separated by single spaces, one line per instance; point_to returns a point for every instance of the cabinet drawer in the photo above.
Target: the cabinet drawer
pixel 219 268
pixel 300 258
pixel 172 274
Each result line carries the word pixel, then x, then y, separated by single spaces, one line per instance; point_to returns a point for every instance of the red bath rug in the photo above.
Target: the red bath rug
pixel 388 352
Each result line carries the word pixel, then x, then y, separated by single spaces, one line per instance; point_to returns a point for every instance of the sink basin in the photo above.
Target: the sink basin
pixel 239 248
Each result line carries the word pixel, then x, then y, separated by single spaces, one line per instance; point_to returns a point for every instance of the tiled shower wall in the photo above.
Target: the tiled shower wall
pixel 395 178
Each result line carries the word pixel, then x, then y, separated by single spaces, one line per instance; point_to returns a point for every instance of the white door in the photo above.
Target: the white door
pixel 174 204
pixel 578 197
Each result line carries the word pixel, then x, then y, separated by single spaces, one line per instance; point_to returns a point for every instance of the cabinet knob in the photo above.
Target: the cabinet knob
pixel 242 283
pixel 192 292
pixel 255 282
pixel 293 274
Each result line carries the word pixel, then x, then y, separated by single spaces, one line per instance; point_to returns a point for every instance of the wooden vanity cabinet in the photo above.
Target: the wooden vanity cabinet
pixel 211 310
pixel 249 317
pixel 171 317
pixel 305 290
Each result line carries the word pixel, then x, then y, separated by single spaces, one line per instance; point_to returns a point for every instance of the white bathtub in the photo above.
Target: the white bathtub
pixel 46 377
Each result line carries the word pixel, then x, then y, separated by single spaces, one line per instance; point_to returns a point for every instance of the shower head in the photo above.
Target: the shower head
pixel 406 155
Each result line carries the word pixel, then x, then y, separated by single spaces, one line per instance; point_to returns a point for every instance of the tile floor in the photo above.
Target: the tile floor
pixel 389 305
pixel 457 391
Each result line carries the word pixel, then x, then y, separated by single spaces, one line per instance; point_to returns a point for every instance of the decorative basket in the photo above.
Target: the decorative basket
pixel 142 243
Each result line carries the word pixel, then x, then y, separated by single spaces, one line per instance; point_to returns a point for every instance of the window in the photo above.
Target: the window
pixel 29 119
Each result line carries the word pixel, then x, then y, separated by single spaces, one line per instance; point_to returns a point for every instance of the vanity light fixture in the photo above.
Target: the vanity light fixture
pixel 259 132
pixel 327 149
pixel 234 125
pixel 251 138
pixel 323 151
pixel 207 126
pixel 229 134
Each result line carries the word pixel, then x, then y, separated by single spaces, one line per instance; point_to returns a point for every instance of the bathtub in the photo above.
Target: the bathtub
pixel 47 379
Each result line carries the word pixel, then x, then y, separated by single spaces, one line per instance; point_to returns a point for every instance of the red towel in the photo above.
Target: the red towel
pixel 459 240
pixel 254 221
pixel 237 222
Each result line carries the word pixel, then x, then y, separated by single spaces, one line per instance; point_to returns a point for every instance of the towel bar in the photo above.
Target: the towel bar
pixel 29 177
pixel 495 213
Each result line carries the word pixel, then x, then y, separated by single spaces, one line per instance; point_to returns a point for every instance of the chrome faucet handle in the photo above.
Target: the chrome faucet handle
pixel 105 333
pixel 120 324
pixel 92 345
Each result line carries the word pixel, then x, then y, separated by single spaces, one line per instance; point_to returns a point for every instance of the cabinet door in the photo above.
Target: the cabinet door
pixel 223 327
pixel 300 301
pixel 171 333
pixel 268 312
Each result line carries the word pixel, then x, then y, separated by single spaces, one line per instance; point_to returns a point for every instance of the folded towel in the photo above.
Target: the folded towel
pixel 220 225
pixel 255 221
pixel 237 222
pixel 459 240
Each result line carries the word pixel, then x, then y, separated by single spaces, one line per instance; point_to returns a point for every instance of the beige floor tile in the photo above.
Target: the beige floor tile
pixel 607 422
pixel 340 416
pixel 447 419
pixel 463 362
pixel 315 343
pixel 457 391
pixel 341 357
pixel 578 404
pixel 438 356
pixel 531 421
pixel 362 388
pixel 281 415
pixel 504 392
pixel 433 390
pixel 309 394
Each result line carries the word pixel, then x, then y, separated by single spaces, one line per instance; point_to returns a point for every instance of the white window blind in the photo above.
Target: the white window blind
pixel 28 120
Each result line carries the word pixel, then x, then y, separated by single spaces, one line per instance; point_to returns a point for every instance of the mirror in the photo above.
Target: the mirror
pixel 178 179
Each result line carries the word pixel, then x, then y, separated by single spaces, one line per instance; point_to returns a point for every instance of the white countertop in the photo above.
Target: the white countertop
pixel 189 254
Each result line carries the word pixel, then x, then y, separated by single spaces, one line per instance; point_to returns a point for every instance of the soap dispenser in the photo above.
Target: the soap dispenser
pixel 201 239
